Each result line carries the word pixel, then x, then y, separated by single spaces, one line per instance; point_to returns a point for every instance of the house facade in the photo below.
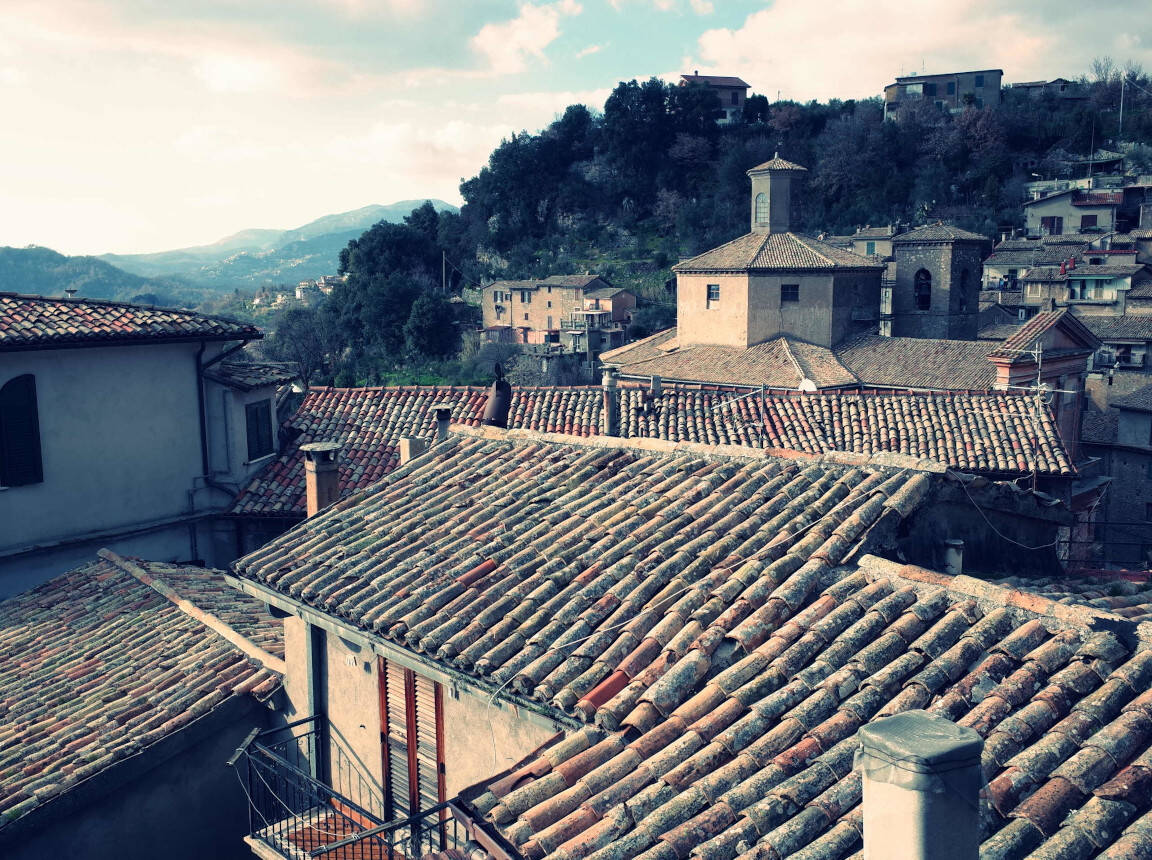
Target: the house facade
pixel 731 91
pixel 952 92
pixel 561 313
pixel 124 427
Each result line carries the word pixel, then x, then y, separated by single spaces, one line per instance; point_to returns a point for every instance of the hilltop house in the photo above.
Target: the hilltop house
pixel 667 650
pixel 125 687
pixel 732 93
pixel 952 91
pixel 123 426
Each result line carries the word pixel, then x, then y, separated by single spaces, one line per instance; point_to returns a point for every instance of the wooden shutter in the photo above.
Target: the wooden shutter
pixel 20 461
pixel 411 736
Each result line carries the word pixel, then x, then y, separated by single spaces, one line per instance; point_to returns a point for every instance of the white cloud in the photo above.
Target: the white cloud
pixel 702 7
pixel 589 51
pixel 507 47
pixel 855 47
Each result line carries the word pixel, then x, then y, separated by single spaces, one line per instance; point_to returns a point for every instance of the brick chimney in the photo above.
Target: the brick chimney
pixel 921 785
pixel 321 475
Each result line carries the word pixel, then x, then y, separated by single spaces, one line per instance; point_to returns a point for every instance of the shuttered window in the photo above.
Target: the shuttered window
pixel 412 741
pixel 20 462
pixel 258 417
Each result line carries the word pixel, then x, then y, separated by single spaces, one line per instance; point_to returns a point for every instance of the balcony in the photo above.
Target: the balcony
pixel 293 813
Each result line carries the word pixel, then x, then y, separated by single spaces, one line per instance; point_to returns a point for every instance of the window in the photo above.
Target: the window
pixel 525 317
pixel 789 293
pixel 258 417
pixel 549 326
pixel 1052 225
pixel 964 291
pixel 929 90
pixel 20 462
pixel 549 304
pixel 922 290
pixel 1087 222
pixel 869 248
pixel 525 297
pixel 1034 291
pixel 713 296
pixel 1148 511
pixel 411 732
pixel 735 98
pixel 914 89
pixel 1096 261
pixel 951 88
pixel 761 208
pixel 979 81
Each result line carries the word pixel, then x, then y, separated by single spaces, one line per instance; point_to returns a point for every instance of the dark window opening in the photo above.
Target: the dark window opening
pixel 20 461
pixel 979 80
pixel 258 417
pixel 922 290
pixel 951 88
pixel 735 98
pixel 713 296
pixel 789 293
pixel 1087 222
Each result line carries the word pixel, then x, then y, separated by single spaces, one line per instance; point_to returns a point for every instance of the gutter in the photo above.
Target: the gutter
pixel 104 536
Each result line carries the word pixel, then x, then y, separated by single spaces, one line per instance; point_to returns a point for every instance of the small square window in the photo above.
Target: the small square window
pixel 713 296
pixel 789 293
pixel 525 317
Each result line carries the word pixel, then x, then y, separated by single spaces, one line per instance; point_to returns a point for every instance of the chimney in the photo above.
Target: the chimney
pixel 921 785
pixel 772 198
pixel 411 448
pixel 610 414
pixel 953 556
pixel 655 386
pixel 321 475
pixel 499 401
pixel 443 412
pixel 70 292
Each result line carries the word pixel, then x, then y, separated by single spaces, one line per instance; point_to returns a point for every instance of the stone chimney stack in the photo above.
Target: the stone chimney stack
pixel 610 414
pixel 772 194
pixel 321 475
pixel 921 785
pixel 411 448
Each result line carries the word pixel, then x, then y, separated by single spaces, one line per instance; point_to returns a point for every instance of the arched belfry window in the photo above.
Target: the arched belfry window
pixel 761 208
pixel 922 290
pixel 19 433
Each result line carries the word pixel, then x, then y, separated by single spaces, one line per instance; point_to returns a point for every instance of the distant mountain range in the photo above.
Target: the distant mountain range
pixel 254 258
pixel 44 272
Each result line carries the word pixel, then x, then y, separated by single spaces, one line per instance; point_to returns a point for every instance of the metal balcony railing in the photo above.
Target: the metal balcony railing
pixel 295 812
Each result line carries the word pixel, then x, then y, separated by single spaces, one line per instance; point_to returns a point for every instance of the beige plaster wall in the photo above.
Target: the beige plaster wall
pixel 808 319
pixel 725 325
pixel 480 741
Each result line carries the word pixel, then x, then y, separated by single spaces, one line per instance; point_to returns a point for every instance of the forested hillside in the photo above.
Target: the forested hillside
pixel 652 178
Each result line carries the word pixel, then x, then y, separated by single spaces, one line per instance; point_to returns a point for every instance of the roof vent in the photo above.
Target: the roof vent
pixel 499 401
pixel 70 292
pixel 921 780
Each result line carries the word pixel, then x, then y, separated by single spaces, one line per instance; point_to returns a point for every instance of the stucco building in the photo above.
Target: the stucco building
pixel 732 92
pixel 952 92
pixel 123 426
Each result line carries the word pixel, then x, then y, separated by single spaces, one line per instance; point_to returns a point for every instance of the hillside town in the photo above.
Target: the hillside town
pixel 853 553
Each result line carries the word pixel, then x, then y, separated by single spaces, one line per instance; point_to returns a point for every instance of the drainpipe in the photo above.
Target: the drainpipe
pixel 611 407
pixel 921 785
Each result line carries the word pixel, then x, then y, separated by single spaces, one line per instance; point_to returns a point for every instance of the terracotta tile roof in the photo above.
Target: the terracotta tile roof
pixel 1119 327
pixel 1053 273
pixel 36 322
pixel 694 610
pixel 874 232
pixel 249 375
pixel 1131 600
pixel 715 80
pixel 1026 335
pixel 1098 198
pixel 99 666
pixel 997 332
pixel 749 753
pixel 939 232
pixel 368 423
pixel 912 362
pixel 984 433
pixel 1139 400
pixel 789 251
pixel 981 433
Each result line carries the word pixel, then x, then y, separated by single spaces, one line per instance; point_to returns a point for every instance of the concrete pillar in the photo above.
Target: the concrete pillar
pixel 411 448
pixel 321 475
pixel 921 785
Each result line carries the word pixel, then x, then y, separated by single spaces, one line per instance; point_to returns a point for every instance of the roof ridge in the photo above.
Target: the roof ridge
pixel 190 609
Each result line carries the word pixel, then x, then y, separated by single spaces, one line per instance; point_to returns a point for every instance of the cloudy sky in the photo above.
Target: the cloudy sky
pixel 137 125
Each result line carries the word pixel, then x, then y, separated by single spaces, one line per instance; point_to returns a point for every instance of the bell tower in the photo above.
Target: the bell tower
pixel 772 194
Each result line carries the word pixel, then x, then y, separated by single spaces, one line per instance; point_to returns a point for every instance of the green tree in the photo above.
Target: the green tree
pixel 430 331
